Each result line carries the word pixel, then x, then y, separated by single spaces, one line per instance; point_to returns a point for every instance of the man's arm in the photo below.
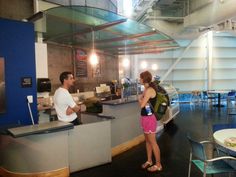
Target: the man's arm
pixel 70 110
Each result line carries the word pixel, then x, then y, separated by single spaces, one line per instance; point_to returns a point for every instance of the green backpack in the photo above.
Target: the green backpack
pixel 160 106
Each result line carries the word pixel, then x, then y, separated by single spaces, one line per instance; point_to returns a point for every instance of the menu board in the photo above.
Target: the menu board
pixel 81 63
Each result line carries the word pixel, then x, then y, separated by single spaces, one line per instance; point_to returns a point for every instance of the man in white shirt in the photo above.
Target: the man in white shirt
pixel 65 106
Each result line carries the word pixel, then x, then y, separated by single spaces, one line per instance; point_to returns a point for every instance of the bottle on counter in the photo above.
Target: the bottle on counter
pixel 148 109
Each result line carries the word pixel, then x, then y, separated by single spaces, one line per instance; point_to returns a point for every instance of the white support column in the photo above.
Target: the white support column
pixel 135 67
pixel 209 57
pixel 36 6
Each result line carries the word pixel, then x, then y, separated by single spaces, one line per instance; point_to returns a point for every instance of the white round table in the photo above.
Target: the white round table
pixel 221 135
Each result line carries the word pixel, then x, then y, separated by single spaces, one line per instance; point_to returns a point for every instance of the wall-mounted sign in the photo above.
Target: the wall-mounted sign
pixel 26 82
pixel 81 63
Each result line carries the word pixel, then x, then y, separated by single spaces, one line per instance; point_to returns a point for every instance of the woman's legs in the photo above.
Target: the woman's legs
pixel 148 148
pixel 152 146
pixel 149 124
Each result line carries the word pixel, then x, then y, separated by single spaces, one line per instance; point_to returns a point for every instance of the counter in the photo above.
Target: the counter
pixel 125 127
pixel 54 149
pixel 34 151
pixel 125 119
pixel 48 127
pixel 90 143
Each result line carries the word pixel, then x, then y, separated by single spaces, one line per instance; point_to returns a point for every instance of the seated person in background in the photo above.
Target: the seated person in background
pixel 65 106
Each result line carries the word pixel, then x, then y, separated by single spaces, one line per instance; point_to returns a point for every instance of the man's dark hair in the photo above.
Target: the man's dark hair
pixel 64 76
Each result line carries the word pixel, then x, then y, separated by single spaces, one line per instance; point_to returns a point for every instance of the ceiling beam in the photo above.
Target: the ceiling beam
pixel 146 51
pixel 35 17
pixel 138 44
pixel 146 48
pixel 124 37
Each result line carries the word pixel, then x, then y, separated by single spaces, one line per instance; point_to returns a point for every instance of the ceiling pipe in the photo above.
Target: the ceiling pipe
pixel 214 13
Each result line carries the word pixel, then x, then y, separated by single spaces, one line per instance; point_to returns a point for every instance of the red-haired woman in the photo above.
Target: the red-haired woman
pixel 149 123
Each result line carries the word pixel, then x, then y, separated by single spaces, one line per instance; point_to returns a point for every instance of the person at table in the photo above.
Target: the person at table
pixel 149 123
pixel 66 107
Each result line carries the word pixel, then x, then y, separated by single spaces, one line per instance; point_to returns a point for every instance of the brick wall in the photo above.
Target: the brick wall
pixel 61 59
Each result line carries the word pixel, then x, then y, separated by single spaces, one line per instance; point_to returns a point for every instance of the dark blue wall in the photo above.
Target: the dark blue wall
pixel 17 47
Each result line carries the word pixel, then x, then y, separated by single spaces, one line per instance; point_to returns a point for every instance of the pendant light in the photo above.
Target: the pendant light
pixel 93 56
pixel 125 61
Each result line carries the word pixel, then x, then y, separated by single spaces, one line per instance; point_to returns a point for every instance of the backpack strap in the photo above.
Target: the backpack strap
pixel 151 105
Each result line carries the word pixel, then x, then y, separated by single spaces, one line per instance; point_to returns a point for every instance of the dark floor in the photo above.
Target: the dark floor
pixel 197 120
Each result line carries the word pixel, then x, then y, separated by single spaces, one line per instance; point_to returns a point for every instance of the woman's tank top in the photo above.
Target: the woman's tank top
pixel 152 101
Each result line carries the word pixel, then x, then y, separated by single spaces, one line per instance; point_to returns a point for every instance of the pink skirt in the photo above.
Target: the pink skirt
pixel 148 124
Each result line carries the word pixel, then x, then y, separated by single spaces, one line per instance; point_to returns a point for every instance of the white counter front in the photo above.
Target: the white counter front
pixel 40 151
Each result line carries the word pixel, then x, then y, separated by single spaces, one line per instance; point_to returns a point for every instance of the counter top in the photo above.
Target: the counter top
pixel 130 99
pixel 40 128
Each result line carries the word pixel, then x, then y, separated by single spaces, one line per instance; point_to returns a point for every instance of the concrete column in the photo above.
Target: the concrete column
pixel 209 57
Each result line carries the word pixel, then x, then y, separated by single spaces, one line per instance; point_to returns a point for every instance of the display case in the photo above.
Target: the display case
pixel 173 101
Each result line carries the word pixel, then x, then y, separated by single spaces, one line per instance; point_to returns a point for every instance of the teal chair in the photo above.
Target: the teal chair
pixel 207 165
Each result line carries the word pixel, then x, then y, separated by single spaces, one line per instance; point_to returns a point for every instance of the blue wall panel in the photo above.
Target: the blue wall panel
pixel 17 47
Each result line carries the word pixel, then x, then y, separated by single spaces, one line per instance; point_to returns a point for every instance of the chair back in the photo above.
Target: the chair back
pixel 197 149
pixel 204 94
pixel 231 93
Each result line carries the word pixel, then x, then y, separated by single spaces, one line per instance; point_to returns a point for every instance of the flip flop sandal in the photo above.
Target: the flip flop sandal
pixel 154 168
pixel 146 165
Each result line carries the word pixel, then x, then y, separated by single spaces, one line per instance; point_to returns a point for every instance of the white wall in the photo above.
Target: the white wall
pixel 224 62
pixel 191 72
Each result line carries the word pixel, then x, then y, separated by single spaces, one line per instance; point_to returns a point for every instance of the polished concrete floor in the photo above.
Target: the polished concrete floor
pixel 194 119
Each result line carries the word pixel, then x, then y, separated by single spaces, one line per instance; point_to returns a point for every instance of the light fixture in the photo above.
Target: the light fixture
pixel 93 56
pixel 144 64
pixel 125 61
pixel 121 72
pixel 154 67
